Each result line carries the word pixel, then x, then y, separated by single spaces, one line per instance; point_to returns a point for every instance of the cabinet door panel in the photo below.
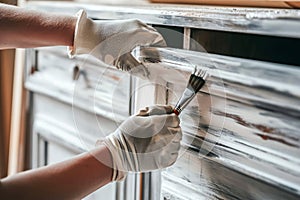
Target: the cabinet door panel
pixel 53 149
pixel 84 83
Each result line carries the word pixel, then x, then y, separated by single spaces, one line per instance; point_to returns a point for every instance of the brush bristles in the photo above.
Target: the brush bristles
pixel 197 79
pixel 200 72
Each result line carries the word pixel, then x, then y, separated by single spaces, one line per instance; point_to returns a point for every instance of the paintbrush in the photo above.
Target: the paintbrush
pixel 196 82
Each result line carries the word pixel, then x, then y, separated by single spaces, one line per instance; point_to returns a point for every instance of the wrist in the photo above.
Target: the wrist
pixel 98 165
pixel 115 154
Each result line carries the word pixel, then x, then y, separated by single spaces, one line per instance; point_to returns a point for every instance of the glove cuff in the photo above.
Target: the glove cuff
pixel 119 173
pixel 82 28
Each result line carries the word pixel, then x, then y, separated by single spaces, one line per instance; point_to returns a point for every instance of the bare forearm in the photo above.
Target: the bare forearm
pixel 24 28
pixel 72 179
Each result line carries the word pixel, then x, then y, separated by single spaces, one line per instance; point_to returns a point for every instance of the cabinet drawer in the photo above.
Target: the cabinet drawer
pixel 241 132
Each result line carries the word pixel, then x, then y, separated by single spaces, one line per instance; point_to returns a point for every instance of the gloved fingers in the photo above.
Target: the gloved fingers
pixel 147 127
pixel 117 26
pixel 160 109
pixel 162 142
pixel 172 121
pixel 145 37
pixel 133 24
pixel 160 122
pixel 170 140
pixel 166 159
pixel 150 28
pixel 175 148
pixel 177 134
pixel 173 152
pixel 160 41
pixel 126 62
pixel 143 112
pixel 120 56
pixel 156 110
pixel 173 158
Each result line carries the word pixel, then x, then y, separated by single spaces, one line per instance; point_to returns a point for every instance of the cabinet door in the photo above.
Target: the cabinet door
pixel 74 103
pixel 52 148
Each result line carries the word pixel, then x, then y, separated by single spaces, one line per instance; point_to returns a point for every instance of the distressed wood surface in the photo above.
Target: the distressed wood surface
pixel 274 22
pixel 253 3
pixel 98 88
pixel 241 133
pixel 245 120
pixel 193 178
pixel 243 127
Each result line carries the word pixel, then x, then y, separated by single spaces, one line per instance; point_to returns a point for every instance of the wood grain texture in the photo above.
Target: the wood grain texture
pixel 272 22
pixel 98 88
pixel 241 133
pixel 200 178
pixel 89 107
pixel 17 146
pixel 244 122
pixel 6 85
pixel 6 79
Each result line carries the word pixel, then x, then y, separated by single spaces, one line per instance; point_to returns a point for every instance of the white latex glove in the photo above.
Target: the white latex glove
pixel 108 40
pixel 147 141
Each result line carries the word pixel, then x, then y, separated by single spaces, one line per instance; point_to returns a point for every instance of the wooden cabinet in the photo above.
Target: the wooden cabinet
pixel 241 132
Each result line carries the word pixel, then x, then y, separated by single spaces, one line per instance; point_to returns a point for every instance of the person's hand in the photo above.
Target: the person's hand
pixel 109 40
pixel 147 141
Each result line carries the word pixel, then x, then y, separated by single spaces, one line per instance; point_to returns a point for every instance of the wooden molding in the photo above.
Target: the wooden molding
pixel 17 138
pixel 252 3
pixel 6 84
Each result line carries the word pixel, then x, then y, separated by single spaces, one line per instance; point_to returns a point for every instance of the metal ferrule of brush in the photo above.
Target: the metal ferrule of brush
pixel 184 100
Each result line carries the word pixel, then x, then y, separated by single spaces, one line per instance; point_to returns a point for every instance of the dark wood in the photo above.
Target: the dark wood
pixel 250 46
pixel 172 35
pixel 6 86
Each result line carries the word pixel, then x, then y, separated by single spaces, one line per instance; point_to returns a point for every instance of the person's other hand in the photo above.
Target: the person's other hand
pixel 109 40
pixel 147 141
